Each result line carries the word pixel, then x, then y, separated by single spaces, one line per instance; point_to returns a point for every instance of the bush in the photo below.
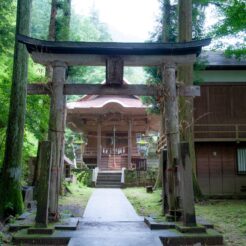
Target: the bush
pixel 84 177
pixel 140 178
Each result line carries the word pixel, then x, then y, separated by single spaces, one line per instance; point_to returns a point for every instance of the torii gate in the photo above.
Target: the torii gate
pixel 115 56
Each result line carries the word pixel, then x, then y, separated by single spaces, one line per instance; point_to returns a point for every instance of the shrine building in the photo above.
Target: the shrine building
pixel 112 125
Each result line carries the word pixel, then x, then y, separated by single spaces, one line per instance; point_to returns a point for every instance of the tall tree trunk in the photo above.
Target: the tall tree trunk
pixel 185 76
pixel 52 26
pixel 166 22
pixel 52 34
pixel 65 34
pixel 66 20
pixel 166 29
pixel 11 198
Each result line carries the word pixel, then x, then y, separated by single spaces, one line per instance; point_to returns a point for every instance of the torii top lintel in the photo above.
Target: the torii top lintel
pixel 96 53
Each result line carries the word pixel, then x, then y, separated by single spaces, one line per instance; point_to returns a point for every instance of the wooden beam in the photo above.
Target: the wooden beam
pixel 90 89
pixel 100 60
pixel 189 91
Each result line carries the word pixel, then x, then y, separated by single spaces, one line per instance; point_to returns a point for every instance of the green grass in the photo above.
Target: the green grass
pixel 77 200
pixel 228 216
pixel 146 204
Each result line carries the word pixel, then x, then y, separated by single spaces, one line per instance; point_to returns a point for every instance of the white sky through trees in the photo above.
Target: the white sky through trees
pixel 128 20
pixel 134 20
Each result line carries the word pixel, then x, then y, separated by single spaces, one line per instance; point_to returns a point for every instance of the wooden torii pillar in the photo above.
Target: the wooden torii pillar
pixel 114 56
pixel 56 134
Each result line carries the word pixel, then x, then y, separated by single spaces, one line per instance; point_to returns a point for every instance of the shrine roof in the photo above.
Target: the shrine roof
pixel 112 48
pixel 96 102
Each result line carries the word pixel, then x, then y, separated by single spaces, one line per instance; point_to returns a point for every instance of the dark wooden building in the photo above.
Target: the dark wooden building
pixel 220 126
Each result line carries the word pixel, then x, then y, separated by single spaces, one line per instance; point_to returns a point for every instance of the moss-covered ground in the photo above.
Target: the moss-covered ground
pixel 228 216
pixel 76 201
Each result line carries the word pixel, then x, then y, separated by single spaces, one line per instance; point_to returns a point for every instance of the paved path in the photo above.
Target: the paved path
pixel 110 220
pixel 110 205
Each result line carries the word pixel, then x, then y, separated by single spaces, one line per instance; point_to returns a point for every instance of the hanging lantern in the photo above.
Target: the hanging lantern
pixel 142 145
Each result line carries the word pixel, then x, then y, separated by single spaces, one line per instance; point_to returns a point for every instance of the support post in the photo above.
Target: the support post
pixel 99 142
pixel 129 143
pixel 56 134
pixel 172 133
pixel 164 182
pixel 187 193
pixel 43 186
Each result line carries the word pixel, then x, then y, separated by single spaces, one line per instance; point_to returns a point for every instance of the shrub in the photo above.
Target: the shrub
pixel 84 177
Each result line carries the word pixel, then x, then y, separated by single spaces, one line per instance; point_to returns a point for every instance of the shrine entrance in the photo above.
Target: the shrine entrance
pixel 60 55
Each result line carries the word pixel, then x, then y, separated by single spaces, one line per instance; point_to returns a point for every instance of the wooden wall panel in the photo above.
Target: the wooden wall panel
pixel 203 168
pixel 239 104
pixel 201 106
pixel 219 109
pixel 228 168
pixel 215 169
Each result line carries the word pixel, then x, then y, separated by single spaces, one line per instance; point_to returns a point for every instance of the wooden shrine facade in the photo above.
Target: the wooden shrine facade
pixel 111 126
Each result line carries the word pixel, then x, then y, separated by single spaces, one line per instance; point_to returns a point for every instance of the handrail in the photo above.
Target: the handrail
pixel 235 129
pixel 123 175
pixel 95 174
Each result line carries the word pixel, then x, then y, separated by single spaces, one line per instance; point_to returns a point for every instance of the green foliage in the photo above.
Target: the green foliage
pixel 87 29
pixel 84 177
pixel 198 16
pixel 71 138
pixel 140 178
pixel 40 18
pixel 233 13
pixel 232 23
pixel 7 25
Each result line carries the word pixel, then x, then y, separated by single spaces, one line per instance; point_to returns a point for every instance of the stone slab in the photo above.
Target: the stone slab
pixel 40 231
pixel 175 238
pixel 17 227
pixel 24 216
pixel 68 224
pixel 114 234
pixel 57 238
pixel 190 229
pixel 204 223
pixel 153 225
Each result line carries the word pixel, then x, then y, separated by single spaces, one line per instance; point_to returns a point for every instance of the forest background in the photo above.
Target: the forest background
pixel 232 23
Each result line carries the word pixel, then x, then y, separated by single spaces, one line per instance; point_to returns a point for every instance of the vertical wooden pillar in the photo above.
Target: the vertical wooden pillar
pixel 44 161
pixel 129 143
pixel 99 142
pixel 172 134
pixel 163 155
pixel 62 174
pixel 56 133
pixel 187 193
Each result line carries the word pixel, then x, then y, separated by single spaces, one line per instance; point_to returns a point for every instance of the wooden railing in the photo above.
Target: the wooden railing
pixel 220 132
pixel 91 151
pixel 140 164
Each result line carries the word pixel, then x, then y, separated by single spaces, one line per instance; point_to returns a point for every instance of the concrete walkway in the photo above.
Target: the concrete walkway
pixel 110 205
pixel 110 220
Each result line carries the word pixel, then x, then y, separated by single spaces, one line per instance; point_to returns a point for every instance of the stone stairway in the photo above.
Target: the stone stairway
pixel 109 179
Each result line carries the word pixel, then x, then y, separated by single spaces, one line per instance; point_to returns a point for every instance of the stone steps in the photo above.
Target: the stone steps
pixel 109 180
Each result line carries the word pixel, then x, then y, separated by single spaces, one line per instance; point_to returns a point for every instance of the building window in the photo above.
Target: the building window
pixel 241 161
